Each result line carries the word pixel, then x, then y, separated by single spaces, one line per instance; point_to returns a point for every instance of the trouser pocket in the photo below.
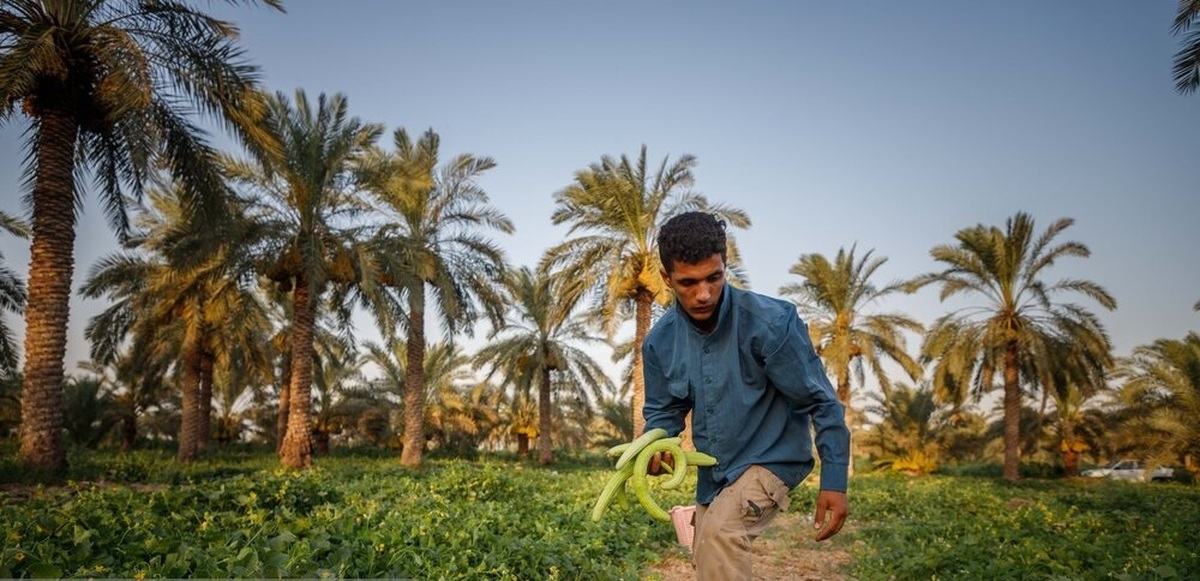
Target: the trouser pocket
pixel 762 495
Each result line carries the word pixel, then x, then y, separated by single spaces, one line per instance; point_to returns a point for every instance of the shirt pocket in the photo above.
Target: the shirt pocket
pixel 751 369
pixel 680 389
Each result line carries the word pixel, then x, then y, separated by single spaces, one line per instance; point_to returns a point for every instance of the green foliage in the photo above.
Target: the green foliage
pixel 350 517
pixel 968 528
pixel 364 515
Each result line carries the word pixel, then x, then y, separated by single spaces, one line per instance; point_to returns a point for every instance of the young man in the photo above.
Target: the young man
pixel 744 365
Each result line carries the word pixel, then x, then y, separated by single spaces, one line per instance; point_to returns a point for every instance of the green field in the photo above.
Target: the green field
pixel 238 515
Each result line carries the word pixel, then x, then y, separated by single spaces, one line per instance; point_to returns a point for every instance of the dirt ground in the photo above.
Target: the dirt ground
pixel 785 552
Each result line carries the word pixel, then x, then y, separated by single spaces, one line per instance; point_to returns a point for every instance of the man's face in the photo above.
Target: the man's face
pixel 698 286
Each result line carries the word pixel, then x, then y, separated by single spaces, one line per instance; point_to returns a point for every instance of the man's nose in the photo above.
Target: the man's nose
pixel 704 292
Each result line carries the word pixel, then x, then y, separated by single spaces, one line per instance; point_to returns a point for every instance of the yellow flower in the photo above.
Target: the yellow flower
pixel 19 556
pixel 139 575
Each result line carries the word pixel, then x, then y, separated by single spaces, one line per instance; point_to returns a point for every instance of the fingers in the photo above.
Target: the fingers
pixel 831 528
pixel 834 506
pixel 660 463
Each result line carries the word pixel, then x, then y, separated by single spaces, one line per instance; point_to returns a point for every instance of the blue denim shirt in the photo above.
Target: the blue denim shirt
pixel 755 384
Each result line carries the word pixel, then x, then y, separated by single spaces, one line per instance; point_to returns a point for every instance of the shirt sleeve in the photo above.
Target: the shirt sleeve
pixel 793 366
pixel 661 409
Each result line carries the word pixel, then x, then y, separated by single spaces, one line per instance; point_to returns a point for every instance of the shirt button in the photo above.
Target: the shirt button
pixel 706 350
pixel 707 380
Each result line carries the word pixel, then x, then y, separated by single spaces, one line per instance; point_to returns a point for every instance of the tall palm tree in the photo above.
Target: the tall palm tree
pixel 1161 390
pixel 436 219
pixel 539 339
pixel 447 377
pixel 1019 324
pixel 616 207
pixel 12 297
pixel 198 312
pixel 1187 60
pixel 108 86
pixel 304 199
pixel 832 298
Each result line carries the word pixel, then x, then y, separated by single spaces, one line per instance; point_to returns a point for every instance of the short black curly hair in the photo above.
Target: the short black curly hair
pixel 691 237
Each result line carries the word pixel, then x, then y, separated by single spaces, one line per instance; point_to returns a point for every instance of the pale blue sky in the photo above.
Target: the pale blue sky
pixel 887 124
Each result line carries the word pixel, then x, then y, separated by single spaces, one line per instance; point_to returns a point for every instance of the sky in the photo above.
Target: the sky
pixel 888 126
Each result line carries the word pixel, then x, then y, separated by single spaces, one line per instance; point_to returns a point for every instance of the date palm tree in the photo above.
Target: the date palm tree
pixel 304 199
pixel 908 433
pixel 447 385
pixel 1161 393
pixel 1187 60
pixel 108 87
pixel 1071 376
pixel 198 312
pixel 1078 427
pixel 452 417
pixel 614 209
pixel 1018 325
pixel 434 233
pixel 12 297
pixel 540 339
pixel 833 298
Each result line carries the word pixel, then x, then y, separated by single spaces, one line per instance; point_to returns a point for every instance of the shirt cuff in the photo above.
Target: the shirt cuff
pixel 834 476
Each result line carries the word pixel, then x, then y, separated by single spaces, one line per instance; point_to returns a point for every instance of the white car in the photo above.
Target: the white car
pixel 1128 469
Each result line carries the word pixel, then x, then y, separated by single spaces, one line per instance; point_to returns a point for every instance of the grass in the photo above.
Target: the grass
pixel 359 514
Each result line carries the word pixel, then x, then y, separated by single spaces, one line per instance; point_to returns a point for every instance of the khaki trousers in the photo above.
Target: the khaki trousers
pixel 738 515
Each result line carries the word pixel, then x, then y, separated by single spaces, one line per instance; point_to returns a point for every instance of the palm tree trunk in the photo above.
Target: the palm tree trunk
pixel 285 392
pixel 1070 463
pixel 1012 414
pixel 51 264
pixel 642 302
pixel 843 395
pixel 414 381
pixel 204 405
pixel 129 429
pixel 522 445
pixel 189 431
pixel 545 444
pixel 296 451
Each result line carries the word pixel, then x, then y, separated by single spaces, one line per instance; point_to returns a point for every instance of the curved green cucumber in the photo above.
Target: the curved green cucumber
pixel 615 483
pixel 700 459
pixel 615 451
pixel 638 443
pixel 681 464
pixel 641 486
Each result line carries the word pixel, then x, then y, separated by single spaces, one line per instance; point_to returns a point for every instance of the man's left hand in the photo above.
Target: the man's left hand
pixel 832 510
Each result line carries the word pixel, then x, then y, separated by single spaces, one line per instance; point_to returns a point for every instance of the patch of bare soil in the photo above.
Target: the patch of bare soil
pixel 786 552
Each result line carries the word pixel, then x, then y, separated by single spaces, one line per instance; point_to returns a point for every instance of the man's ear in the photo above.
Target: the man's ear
pixel 666 277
